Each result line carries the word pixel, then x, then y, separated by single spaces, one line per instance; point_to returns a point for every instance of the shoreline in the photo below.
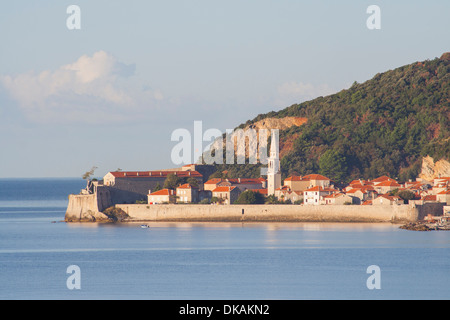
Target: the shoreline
pixel 247 213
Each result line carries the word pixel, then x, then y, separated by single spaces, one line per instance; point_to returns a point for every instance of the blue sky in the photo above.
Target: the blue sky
pixel 111 93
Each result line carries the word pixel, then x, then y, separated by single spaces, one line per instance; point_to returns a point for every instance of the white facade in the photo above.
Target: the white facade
pixel 273 170
pixel 314 196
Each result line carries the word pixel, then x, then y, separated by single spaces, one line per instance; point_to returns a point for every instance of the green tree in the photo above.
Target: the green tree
pixel 216 200
pixel 406 195
pixel 250 197
pixel 271 199
pixel 87 175
pixel 333 164
pixel 157 188
pixel 192 181
pixel 171 182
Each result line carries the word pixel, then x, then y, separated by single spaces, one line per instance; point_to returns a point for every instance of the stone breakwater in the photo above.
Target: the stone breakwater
pixel 253 213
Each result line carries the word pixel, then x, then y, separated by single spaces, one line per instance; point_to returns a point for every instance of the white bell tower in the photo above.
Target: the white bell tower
pixel 273 170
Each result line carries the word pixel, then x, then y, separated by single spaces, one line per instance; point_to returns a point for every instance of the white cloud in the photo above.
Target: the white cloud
pixel 296 92
pixel 88 90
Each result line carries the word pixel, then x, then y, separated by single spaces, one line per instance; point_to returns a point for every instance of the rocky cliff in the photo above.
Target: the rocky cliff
pixel 268 124
pixel 278 123
pixel 431 169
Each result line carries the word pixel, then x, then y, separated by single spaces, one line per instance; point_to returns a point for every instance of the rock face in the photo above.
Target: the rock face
pixel 415 227
pixel 431 170
pixel 256 143
pixel 278 123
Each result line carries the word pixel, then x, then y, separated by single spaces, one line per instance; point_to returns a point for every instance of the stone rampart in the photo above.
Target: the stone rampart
pixel 88 207
pixel 270 213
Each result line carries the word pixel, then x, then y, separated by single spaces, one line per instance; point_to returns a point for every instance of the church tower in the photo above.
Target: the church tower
pixel 273 170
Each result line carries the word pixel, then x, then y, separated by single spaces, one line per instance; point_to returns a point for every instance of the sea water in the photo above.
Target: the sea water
pixel 202 261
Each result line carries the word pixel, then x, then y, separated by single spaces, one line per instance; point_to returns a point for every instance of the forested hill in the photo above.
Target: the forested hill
pixel 385 125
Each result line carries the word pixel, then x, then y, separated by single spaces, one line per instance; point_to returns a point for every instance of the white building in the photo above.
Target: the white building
pixel 315 195
pixel 273 170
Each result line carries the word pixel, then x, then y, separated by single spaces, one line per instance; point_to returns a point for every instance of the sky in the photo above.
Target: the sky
pixel 111 93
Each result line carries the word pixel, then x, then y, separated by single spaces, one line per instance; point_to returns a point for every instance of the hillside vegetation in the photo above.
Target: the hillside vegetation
pixel 385 125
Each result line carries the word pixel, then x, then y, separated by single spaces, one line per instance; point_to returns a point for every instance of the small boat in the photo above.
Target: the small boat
pixel 145 226
pixel 443 226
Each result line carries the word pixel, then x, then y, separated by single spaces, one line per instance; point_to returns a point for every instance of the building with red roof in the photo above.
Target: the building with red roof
pixel 242 183
pixel 226 194
pixel 285 193
pixel 132 186
pixel 299 183
pixel 187 193
pixel 380 180
pixel 387 186
pixel 314 195
pixel 385 199
pixel 337 198
pixel 362 194
pixel 162 196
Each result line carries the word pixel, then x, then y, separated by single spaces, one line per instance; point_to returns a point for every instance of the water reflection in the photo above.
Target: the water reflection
pixel 307 226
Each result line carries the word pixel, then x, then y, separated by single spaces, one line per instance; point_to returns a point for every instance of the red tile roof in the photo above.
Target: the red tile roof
pixel 187 186
pixel 163 192
pixel 429 198
pixel 213 181
pixel 381 179
pixel 356 190
pixel 390 183
pixel 223 189
pixel 334 195
pixel 356 185
pixel 315 177
pixel 262 191
pixel 147 174
pixel 319 188
pixel 307 177
pixel 246 181
pixel 295 178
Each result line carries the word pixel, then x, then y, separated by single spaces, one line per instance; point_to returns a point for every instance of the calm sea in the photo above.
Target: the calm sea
pixel 203 261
